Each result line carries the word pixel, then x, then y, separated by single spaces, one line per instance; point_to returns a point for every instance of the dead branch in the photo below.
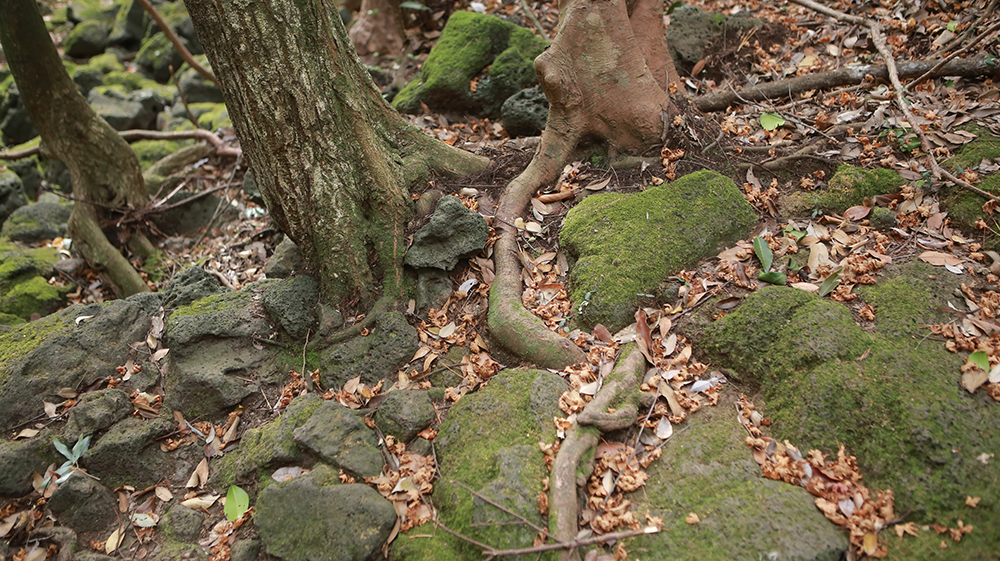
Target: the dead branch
pixel 533 19
pixel 954 55
pixel 221 149
pixel 848 76
pixel 181 49
pixel 879 40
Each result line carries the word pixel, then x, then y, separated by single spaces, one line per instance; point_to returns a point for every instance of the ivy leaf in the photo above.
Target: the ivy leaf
pixel 830 283
pixel 772 277
pixel 763 253
pixel 952 26
pixel 237 503
pixel 980 359
pixel 771 121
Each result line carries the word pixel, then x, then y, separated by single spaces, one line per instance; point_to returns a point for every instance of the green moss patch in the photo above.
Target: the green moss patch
pixel 627 245
pixel 848 187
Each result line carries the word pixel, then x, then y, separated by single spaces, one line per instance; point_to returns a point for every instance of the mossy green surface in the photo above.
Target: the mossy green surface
pixel 23 289
pixel 128 82
pixel 899 409
pixel 25 338
pixel 470 43
pixel 848 187
pixel 151 151
pixel 708 470
pixel 966 208
pixel 484 435
pixel 628 244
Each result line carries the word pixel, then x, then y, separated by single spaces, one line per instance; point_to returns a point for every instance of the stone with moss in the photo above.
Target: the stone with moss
pixel 11 193
pixel 32 224
pixel 891 398
pixel 151 151
pixel 97 411
pixel 266 447
pixel 499 52
pixel 196 88
pixel 404 414
pixel 964 207
pixel 129 453
pixel 709 470
pixel 24 290
pixel 216 349
pixel 376 357
pixel 87 39
pixel 489 442
pixel 79 11
pixel 130 25
pixel 291 303
pixel 128 82
pixel 315 517
pixel 848 187
pixel 340 438
pixel 210 116
pixel 19 458
pixel 626 245
pixel 156 56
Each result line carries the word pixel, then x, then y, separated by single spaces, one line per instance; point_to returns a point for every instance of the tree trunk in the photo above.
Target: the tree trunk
pixel 332 159
pixel 379 29
pixel 104 170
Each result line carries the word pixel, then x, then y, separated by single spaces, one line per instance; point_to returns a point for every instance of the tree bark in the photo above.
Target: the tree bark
pixel 104 170
pixel 379 29
pixel 332 159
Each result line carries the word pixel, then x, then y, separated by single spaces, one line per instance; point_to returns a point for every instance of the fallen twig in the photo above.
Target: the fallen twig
pixel 488 501
pixel 949 58
pixel 534 20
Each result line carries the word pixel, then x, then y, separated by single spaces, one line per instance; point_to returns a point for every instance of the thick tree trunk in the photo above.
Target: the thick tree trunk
pixel 332 159
pixel 104 170
pixel 379 29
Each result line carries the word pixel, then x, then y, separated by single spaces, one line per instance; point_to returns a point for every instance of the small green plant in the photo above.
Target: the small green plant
pixel 72 457
pixel 766 257
pixel 771 121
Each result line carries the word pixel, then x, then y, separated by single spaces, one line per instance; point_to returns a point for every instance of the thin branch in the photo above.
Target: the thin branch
pixel 949 58
pixel 181 49
pixel 879 40
pixel 575 544
pixel 221 149
pixel 534 20
pixel 508 511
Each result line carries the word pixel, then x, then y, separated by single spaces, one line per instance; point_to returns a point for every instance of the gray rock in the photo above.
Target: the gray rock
pixel 250 189
pixel 198 89
pixel 244 550
pixel 193 216
pixel 96 411
pixel 56 352
pixel 87 39
pixel 31 176
pixel 15 123
pixel 427 202
pixel 19 458
pixel 329 320
pixel 292 303
pixel 213 352
pixel 340 438
pixel 136 111
pixel 308 519
pixel 11 194
pixel 693 32
pixel 83 504
pixel 57 174
pixel 286 260
pixel 453 232
pixel 183 523
pixel 24 288
pixel 189 285
pixel 130 454
pixel 378 356
pixel 156 56
pixel 36 223
pixel 433 288
pixel 525 113
pixel 129 26
pixel 267 446
pixel 88 78
pixel 404 413
pixel 92 556
pixel 149 302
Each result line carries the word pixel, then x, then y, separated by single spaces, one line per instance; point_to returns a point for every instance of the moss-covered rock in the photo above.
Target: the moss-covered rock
pixel 708 470
pixel 24 289
pixel 11 193
pixel 472 44
pixel 390 344
pixel 36 223
pixel 156 56
pixel 129 454
pixel 966 208
pixel 151 151
pixel 489 442
pixel 899 409
pixel 210 116
pixel 87 39
pixel 626 245
pixel 848 187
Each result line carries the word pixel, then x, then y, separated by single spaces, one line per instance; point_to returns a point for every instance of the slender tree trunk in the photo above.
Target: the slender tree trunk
pixel 332 159
pixel 104 170
pixel 379 29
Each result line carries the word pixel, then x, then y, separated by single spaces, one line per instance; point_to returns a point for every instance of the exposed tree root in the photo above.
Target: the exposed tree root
pixel 851 75
pixel 584 436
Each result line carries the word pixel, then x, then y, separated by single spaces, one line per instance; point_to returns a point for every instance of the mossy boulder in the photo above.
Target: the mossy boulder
pixel 900 409
pixel 129 453
pixel 489 443
pixel 966 208
pixel 210 116
pixel 848 187
pixel 24 290
pixel 87 39
pixel 625 245
pixel 471 44
pixel 195 87
pixel 390 344
pixel 314 517
pixel 156 56
pixel 708 470
pixel 11 193
pixel 151 151
pixel 37 223
pixel 19 458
